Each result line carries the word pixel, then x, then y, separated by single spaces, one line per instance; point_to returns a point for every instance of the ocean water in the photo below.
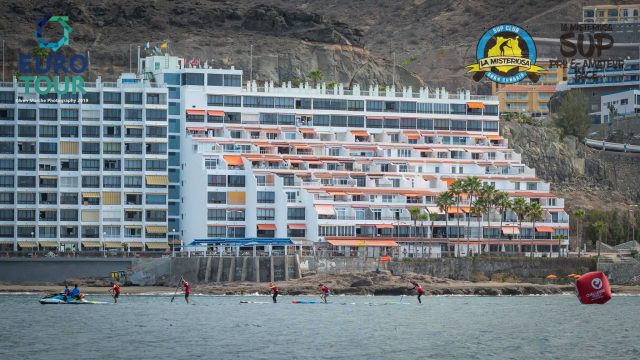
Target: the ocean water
pixel 350 327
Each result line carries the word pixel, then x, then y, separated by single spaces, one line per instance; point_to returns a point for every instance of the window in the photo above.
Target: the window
pixel 156 199
pixel 111 97
pixel 217 180
pixel 131 115
pixel 91 181
pixel 133 181
pixel 90 148
pixel 156 215
pixel 91 98
pixel 216 231
pixel 133 98
pixel 156 115
pixel 69 198
pixel 111 148
pixel 111 165
pixel 26 131
pixel 46 182
pixel 7 97
pixel 6 148
pixel 112 115
pixel 214 79
pixel 6 214
pixel 232 80
pixel 48 198
pixel 48 148
pixel 296 213
pixel 68 131
pixel 6 181
pixel 26 114
pixel 27 164
pixel 156 132
pixel 217 214
pixel 265 214
pixel 236 181
pixel 27 198
pixel 26 215
pixel 91 131
pixel 112 131
pixel 156 148
pixel 69 115
pixel 216 197
pixel 48 114
pixel 235 215
pixel 265 197
pixel 192 79
pixel 156 165
pixel 133 148
pixel 6 198
pixel 90 164
pixel 153 99
pixel 172 79
pixel 111 181
pixel 6 114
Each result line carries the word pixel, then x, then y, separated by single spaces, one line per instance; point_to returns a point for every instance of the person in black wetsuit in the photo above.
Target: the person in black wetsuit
pixel 419 289
pixel 275 291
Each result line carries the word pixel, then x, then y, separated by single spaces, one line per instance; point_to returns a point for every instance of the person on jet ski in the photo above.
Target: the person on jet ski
pixel 66 292
pixel 75 293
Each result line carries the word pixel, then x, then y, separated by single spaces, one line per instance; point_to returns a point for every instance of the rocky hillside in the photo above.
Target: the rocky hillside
pixel 347 39
pixel 585 177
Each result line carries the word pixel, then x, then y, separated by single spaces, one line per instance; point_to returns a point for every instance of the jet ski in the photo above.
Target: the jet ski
pixel 62 299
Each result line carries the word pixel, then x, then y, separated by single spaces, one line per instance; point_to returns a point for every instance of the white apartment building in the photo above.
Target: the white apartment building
pixel 262 166
pixel 625 103
pixel 84 172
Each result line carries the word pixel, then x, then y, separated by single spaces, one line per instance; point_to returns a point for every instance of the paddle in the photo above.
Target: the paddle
pixel 401 298
pixel 178 287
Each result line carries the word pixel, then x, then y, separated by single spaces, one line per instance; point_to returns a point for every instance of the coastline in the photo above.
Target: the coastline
pixel 345 284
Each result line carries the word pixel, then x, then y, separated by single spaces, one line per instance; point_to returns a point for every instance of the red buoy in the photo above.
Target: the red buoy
pixel 593 288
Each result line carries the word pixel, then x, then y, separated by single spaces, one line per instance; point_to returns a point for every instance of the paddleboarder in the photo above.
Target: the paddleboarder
pixel 115 291
pixel 187 289
pixel 419 289
pixel 325 292
pixel 275 291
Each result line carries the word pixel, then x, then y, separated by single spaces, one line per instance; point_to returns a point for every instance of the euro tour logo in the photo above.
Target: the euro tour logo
pixel 38 67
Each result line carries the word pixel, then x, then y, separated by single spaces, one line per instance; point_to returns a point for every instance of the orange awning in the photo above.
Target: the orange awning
pixel 325 209
pixel 413 136
pixel 215 112
pixel 428 177
pixel 475 105
pixel 297 226
pixel 449 181
pixel 362 242
pixel 375 117
pixel 266 226
pixel 233 160
pixel 494 137
pixel 195 112
pixel 463 209
pixel 307 131
pixel 359 133
pixel 384 226
pixel 544 229
pixel 510 230
pixel 196 129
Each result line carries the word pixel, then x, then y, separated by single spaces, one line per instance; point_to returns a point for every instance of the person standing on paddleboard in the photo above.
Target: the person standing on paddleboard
pixel 275 291
pixel 187 289
pixel 419 289
pixel 115 292
pixel 325 292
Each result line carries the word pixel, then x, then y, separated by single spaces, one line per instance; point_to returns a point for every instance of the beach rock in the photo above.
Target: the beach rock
pixel 362 282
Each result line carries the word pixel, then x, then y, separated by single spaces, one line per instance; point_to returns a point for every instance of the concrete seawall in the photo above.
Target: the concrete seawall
pixel 33 271
pixel 470 268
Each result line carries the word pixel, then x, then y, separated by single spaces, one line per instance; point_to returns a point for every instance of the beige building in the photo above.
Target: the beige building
pixel 611 14
pixel 529 97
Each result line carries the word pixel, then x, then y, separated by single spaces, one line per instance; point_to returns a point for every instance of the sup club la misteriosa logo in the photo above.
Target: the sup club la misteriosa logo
pixel 506 54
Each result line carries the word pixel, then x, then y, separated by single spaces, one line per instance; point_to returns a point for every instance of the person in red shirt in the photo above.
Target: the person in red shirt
pixel 325 292
pixel 418 289
pixel 187 289
pixel 275 291
pixel 115 292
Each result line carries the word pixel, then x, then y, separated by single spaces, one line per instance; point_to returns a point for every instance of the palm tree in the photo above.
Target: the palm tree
pixel 503 204
pixel 472 187
pixel 414 213
pixel 520 208
pixel 444 201
pixel 422 217
pixel 488 195
pixel 534 214
pixel 457 189
pixel 315 75
pixel 559 237
pixel 579 215
pixel 600 226
pixel 477 209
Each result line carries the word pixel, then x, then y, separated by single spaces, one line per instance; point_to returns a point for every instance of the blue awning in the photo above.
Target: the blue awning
pixel 242 241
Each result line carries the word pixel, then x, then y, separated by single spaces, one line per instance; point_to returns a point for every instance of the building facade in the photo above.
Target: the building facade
pixel 341 167
pixel 611 14
pixel 84 172
pixel 527 97
pixel 625 103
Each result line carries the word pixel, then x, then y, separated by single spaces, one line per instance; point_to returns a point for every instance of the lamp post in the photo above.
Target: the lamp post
pixel 173 245
pixel 104 245
pixel 32 238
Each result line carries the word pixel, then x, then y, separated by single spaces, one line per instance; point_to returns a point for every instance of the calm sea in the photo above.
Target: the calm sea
pixel 351 327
